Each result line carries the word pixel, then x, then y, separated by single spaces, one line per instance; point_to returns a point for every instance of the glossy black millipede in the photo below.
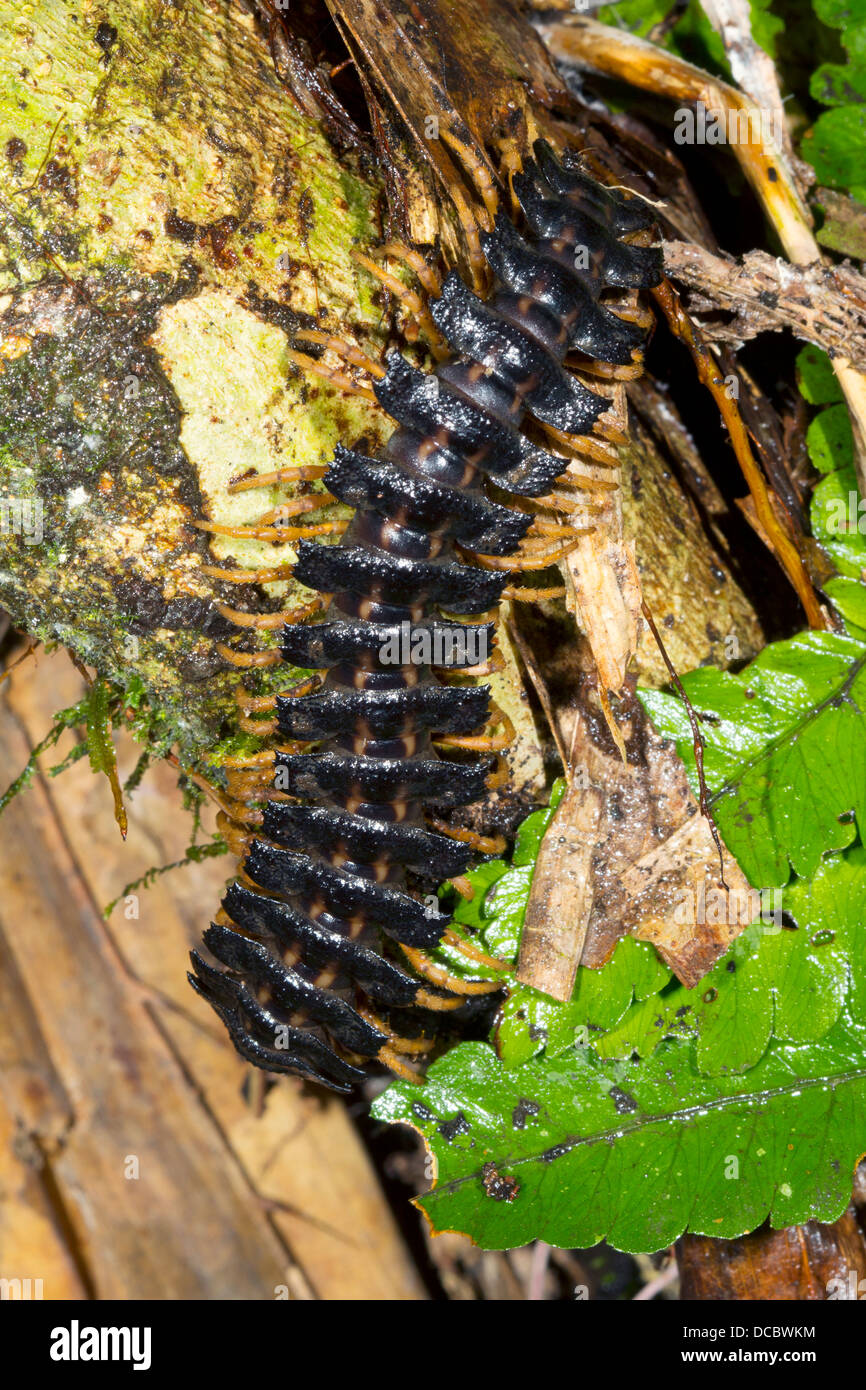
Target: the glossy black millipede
pixel 322 949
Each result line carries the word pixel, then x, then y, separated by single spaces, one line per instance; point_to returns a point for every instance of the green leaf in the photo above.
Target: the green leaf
pixel 815 377
pixel 783 978
pixel 573 1150
pixel 840 13
pixel 839 520
pixel 830 440
pixel 531 1022
pixel 783 751
pixel 849 597
pixel 836 146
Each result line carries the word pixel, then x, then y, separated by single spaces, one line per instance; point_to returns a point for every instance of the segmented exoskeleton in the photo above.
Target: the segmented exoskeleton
pixel 324 947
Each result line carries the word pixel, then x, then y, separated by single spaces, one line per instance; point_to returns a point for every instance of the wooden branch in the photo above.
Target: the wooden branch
pixel 824 305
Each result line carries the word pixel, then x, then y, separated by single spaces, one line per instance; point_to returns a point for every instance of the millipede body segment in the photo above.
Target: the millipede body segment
pixel 322 947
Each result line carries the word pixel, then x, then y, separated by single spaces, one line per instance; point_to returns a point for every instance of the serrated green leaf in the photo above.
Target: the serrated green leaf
pixel 532 1022
pixel 784 751
pixel 836 146
pixel 783 978
pixel 573 1150
pixel 839 13
pixel 836 85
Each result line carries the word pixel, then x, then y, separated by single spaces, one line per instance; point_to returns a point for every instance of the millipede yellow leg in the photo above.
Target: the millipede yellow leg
pixel 249 660
pixel 354 356
pixel 304 473
pixel 251 759
pixel 438 975
pixel 438 1003
pixel 519 563
pixel 427 274
pixel 483 844
pixel 474 953
pixel 483 742
pixel 475 166
pixel 520 595
pixel 270 621
pixel 388 1057
pixel 412 1047
pixel 273 533
pixel 313 503
pixel 262 728
pixel 241 576
pixel 413 302
pixel 335 378
pixel 252 704
pixel 500 775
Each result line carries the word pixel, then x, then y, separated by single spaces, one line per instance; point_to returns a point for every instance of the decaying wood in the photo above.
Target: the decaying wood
pixel 778 533
pixel 821 304
pixel 419 68
pixel 108 1056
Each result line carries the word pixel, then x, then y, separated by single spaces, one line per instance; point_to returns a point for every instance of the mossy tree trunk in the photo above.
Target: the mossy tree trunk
pixel 168 216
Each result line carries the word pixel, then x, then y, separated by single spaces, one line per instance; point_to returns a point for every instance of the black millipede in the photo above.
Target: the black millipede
pixel 322 948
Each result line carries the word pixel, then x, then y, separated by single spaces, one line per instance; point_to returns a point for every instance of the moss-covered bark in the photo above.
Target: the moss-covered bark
pixel 167 218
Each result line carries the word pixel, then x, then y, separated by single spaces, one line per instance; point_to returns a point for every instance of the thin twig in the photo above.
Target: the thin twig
pixel 662 1281
pixel 538 1271
pixel 824 305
